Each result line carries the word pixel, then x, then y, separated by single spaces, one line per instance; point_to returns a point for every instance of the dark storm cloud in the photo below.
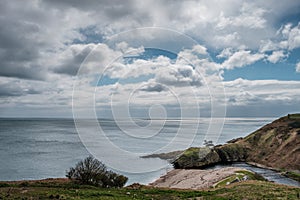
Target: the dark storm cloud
pixel 14 89
pixel 112 9
pixel 20 70
pixel 31 32
pixel 19 45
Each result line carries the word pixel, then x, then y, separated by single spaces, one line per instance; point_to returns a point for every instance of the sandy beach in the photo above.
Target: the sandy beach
pixel 194 178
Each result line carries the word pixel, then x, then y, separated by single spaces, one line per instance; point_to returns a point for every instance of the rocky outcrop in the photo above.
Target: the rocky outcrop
pixel 204 157
pixel 276 145
pixel 171 156
pixel 232 153
pixel 196 158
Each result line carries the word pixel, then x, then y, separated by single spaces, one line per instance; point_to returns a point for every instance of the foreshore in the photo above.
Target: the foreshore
pixel 194 178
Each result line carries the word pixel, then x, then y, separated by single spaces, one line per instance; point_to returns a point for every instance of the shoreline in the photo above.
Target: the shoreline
pixel 194 179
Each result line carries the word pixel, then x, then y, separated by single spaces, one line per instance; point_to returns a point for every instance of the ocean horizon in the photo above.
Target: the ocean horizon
pixel 39 148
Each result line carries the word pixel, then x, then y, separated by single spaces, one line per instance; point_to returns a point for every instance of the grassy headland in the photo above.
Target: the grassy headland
pixel 275 145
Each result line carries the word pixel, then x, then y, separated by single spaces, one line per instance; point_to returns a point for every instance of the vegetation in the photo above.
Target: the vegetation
pixel 240 175
pixel 195 157
pixel 91 171
pixel 275 145
pixel 64 189
pixel 292 175
pixel 294 116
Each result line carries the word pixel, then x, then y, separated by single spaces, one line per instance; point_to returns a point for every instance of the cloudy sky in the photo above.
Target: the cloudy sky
pixel 153 58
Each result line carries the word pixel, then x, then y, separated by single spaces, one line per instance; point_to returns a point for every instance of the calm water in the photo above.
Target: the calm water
pixel 43 148
pixel 268 174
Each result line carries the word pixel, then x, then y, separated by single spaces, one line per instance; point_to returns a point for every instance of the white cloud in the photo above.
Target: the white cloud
pixel 129 51
pixel 268 45
pixel 287 38
pixel 298 67
pixel 153 87
pixel 294 37
pixel 241 58
pixel 48 40
pixel 225 53
pixel 229 39
pixel 276 56
pixel 250 16
pixel 178 75
pixel 261 95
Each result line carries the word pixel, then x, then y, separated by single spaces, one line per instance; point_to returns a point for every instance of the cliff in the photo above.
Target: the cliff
pixel 275 145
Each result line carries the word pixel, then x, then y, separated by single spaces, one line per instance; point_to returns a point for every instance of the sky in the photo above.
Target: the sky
pixel 63 58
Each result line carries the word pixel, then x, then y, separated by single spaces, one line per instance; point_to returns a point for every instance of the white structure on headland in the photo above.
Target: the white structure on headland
pixel 208 143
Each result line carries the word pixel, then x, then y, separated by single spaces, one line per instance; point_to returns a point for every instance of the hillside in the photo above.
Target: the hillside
pixel 275 145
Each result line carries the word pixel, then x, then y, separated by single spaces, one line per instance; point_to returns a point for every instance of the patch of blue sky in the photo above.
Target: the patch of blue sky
pixel 104 80
pixel 90 35
pixel 264 71
pixel 294 56
pixel 151 53
pixel 292 17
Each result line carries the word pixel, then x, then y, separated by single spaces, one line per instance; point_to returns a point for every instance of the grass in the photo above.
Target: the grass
pixel 292 175
pixel 295 116
pixel 240 174
pixel 67 190
pixel 191 151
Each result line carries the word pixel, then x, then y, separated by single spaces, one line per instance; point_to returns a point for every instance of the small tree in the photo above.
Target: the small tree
pixel 93 172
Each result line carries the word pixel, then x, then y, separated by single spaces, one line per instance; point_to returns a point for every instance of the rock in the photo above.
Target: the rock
pixel 232 153
pixel 171 156
pixel 236 180
pixel 197 158
pixel 245 178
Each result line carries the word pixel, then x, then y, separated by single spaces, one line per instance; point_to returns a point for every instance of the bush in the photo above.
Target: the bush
pixel 91 171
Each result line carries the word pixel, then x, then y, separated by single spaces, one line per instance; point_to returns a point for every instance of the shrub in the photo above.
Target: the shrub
pixel 91 171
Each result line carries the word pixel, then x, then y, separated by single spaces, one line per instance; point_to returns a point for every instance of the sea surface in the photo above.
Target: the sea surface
pixel 46 148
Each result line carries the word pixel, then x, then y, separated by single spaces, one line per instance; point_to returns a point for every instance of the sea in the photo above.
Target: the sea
pixel 47 148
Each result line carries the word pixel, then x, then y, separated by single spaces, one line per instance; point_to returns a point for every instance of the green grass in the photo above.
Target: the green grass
pixel 295 116
pixel 247 189
pixel 191 151
pixel 293 175
pixel 240 174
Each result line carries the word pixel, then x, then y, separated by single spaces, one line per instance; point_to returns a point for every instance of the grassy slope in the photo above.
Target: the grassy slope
pixel 67 190
pixel 275 145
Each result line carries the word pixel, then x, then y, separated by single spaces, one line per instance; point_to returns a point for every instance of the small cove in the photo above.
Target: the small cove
pixel 268 174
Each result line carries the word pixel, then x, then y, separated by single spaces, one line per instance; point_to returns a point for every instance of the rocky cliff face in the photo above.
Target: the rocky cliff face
pixel 197 158
pixel 204 157
pixel 275 145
